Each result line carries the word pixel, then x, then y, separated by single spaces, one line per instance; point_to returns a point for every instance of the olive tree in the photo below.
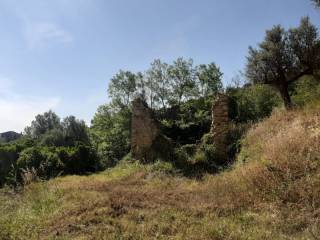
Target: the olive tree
pixel 284 56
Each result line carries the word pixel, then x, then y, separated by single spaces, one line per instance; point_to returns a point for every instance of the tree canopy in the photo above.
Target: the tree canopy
pixel 164 85
pixel 316 2
pixel 284 56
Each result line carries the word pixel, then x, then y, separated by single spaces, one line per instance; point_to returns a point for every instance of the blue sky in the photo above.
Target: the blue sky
pixel 60 54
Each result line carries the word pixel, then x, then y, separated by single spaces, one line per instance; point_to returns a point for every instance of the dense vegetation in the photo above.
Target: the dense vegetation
pixel 49 148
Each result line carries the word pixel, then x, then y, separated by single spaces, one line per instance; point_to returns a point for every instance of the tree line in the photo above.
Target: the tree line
pixel 164 85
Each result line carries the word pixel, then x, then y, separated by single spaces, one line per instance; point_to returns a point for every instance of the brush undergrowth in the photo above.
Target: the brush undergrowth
pixel 271 192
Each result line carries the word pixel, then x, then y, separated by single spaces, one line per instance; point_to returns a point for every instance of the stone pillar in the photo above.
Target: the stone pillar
pixel 144 131
pixel 220 125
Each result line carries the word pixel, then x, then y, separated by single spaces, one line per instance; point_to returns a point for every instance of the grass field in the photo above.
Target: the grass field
pixel 271 192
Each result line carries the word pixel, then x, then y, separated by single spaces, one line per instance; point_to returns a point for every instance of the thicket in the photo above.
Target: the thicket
pixel 48 148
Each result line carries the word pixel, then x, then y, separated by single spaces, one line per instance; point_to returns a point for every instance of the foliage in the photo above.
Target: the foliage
pixel 110 133
pixel 306 90
pixel 172 90
pixel 316 2
pixel 44 161
pixel 285 56
pixel 166 85
pixel 49 148
pixel 157 84
pixel 50 162
pixel 186 124
pixel 8 157
pixel 252 103
pixel 50 131
pixel 209 77
pixel 122 87
pixel 183 84
pixel 43 123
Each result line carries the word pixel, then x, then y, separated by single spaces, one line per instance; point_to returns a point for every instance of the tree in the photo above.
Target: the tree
pixel 182 74
pixel 316 2
pixel 158 81
pixel 123 87
pixel 284 56
pixel 43 123
pixel 74 130
pixel 209 77
pixel 110 132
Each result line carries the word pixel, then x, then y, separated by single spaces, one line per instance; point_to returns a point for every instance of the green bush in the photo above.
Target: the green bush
pixel 50 162
pixel 306 90
pixel 43 160
pixel 234 138
pixel 110 133
pixel 186 123
pixel 252 103
pixel 79 160
pixel 8 157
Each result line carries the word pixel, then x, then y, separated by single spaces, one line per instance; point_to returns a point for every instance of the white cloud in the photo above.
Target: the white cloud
pixel 17 110
pixel 41 34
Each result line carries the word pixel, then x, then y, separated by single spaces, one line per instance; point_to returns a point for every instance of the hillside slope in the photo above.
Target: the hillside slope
pixel 9 136
pixel 272 192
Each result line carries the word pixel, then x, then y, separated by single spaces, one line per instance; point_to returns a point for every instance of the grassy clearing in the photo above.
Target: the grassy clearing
pixel 272 192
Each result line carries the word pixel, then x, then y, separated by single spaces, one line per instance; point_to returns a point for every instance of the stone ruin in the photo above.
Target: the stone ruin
pixel 147 141
pixel 144 131
pixel 220 125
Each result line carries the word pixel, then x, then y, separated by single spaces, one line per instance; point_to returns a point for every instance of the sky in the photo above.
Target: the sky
pixel 61 54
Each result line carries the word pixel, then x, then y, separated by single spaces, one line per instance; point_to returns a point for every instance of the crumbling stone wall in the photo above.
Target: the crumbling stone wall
pixel 220 125
pixel 144 131
pixel 148 144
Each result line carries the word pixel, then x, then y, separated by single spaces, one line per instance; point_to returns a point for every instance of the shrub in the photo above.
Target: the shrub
pixel 186 123
pixel 79 160
pixel 252 103
pixel 43 160
pixel 306 90
pixel 50 162
pixel 8 157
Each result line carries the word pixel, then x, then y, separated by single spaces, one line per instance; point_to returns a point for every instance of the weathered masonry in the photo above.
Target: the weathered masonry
pixel 148 144
pixel 220 124
pixel 144 131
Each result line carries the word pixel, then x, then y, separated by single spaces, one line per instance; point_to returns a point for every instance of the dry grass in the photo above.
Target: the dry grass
pixel 273 192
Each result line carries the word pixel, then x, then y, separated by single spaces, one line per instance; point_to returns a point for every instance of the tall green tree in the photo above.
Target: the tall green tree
pixel 183 83
pixel 110 132
pixel 285 56
pixel 209 77
pixel 43 123
pixel 123 87
pixel 158 80
pixel 75 130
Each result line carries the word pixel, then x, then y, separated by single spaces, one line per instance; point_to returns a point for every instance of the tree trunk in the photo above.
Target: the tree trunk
pixel 284 92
